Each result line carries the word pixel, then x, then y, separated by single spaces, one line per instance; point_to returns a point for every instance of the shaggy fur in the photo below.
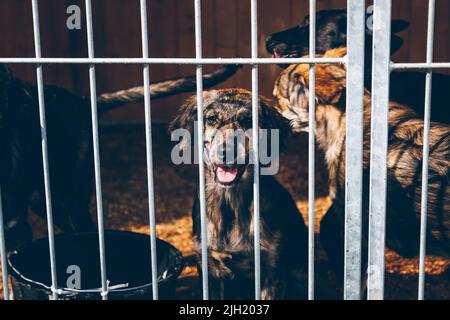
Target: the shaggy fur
pixel 406 87
pixel 69 146
pixel 230 225
pixel 404 162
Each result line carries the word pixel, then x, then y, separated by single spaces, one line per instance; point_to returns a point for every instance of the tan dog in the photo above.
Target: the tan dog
pixel 404 161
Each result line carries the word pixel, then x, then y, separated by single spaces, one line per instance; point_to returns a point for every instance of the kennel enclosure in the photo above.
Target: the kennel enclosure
pixel 354 61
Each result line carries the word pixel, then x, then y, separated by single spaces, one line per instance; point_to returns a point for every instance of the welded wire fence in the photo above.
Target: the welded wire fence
pixel 354 146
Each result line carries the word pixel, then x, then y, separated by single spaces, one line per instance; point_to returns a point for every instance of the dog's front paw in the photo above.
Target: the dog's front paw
pixel 218 267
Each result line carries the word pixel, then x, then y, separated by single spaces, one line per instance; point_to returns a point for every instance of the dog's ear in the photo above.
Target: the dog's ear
pixel 5 84
pixel 185 120
pixel 342 25
pixel 271 119
pixel 186 117
pixel 396 43
pixel 330 83
pixel 330 78
pixel 398 25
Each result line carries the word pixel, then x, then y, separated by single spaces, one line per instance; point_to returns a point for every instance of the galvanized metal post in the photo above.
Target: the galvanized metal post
pixel 48 195
pixel 4 264
pixel 426 142
pixel 311 147
pixel 354 148
pixel 95 139
pixel 149 151
pixel 255 144
pixel 379 144
pixel 201 164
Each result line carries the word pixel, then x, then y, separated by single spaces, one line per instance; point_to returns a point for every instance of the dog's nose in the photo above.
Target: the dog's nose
pixel 269 43
pixel 226 155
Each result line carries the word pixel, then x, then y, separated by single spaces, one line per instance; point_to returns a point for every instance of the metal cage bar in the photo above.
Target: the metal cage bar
pixel 354 148
pixel 420 66
pixel 95 139
pixel 311 146
pixel 149 151
pixel 426 142
pixel 379 144
pixel 201 164
pixel 255 145
pixel 180 61
pixel 4 263
pixel 43 124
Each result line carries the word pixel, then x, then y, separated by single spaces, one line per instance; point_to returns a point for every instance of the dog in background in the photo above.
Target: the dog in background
pixel 406 87
pixel 69 146
pixel 404 162
pixel 229 204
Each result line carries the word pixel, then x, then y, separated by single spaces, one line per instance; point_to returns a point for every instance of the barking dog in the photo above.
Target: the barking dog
pixel 404 162
pixel 406 87
pixel 69 146
pixel 229 203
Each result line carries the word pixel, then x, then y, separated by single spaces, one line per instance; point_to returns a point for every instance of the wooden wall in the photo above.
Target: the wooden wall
pixel 226 33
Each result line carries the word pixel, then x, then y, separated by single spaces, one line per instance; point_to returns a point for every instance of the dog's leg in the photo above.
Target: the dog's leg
pixel 332 239
pixel 217 266
pixel 273 288
pixel 219 273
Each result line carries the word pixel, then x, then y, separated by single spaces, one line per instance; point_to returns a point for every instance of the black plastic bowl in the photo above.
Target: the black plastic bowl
pixel 127 263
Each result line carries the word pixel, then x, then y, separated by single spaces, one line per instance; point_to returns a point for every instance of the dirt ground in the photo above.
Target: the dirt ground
pixel 126 208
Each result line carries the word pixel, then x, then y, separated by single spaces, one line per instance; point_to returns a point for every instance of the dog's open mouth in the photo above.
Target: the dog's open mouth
pixel 228 175
pixel 276 54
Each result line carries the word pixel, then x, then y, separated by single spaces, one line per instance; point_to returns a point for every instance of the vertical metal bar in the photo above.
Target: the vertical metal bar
pixel 311 147
pixel 379 145
pixel 98 180
pixel 48 196
pixel 255 138
pixel 3 253
pixel 426 142
pixel 354 148
pixel 148 142
pixel 201 165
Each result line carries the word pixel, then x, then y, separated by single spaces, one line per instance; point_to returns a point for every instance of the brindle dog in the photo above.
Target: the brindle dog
pixel 404 162
pixel 406 87
pixel 229 203
pixel 69 146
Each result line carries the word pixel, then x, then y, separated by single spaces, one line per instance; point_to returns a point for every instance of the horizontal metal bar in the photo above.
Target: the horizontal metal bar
pixel 420 65
pixel 171 60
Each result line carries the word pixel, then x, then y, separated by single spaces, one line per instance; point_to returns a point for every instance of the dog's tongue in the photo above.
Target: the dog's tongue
pixel 276 55
pixel 226 175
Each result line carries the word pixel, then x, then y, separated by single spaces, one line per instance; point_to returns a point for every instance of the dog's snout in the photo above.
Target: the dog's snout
pixel 226 155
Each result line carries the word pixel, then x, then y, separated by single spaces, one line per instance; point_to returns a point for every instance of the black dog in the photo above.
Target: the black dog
pixel 69 146
pixel 407 87
pixel 229 202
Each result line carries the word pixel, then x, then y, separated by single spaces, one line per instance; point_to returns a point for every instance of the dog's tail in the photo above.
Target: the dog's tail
pixel 108 101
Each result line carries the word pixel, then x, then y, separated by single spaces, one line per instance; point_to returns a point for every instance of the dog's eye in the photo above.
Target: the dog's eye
pixel 332 33
pixel 211 120
pixel 245 122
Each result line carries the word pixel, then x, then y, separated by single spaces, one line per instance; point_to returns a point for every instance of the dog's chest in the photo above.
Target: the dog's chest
pixel 233 234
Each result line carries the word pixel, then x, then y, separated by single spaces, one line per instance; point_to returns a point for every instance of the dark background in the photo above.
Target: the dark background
pixel 226 33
